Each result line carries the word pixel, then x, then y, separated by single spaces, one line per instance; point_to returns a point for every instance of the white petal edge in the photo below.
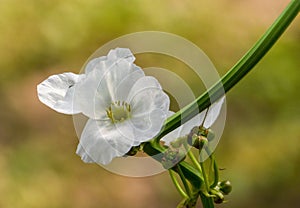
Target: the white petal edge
pixel 84 156
pixel 57 92
pixel 104 62
pixel 100 142
pixel 121 53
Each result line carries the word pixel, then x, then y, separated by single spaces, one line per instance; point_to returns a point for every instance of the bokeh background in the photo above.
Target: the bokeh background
pixel 261 141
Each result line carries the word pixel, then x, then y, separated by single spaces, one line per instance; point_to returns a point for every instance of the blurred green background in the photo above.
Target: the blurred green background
pixel 261 141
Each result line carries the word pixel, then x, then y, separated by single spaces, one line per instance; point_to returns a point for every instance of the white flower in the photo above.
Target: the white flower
pixel 211 116
pixel 124 107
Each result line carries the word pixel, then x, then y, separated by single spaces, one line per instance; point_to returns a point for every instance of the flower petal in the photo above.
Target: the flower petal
pixel 103 63
pixel 95 64
pixel 127 83
pixel 84 156
pixel 114 76
pixel 57 92
pixel 148 126
pixel 101 141
pixel 99 89
pixel 147 95
pixel 92 103
pixel 150 107
pixel 121 53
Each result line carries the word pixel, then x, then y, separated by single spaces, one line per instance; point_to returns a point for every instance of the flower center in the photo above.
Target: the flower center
pixel 118 111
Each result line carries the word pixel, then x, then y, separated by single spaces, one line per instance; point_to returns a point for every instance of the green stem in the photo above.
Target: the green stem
pixel 192 157
pixel 236 73
pixel 177 185
pixel 207 202
pixel 230 79
pixel 194 161
pixel 184 181
pixel 204 174
pixel 215 167
pixel 216 172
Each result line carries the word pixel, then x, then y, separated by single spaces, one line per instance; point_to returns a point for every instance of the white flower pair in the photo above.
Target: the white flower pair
pixel 124 107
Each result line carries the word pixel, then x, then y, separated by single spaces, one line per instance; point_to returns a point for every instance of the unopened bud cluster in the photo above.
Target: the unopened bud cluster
pixel 199 136
pixel 223 188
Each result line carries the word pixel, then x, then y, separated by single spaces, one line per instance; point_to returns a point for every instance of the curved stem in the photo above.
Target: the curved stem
pixel 194 161
pixel 216 172
pixel 177 185
pixel 184 181
pixel 192 157
pixel 236 73
pixel 230 79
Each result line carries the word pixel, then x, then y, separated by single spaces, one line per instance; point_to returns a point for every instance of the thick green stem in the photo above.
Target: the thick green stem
pixel 237 72
pixel 230 79
pixel 207 202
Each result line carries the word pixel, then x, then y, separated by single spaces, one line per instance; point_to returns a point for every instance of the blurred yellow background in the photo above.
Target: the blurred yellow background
pixel 261 141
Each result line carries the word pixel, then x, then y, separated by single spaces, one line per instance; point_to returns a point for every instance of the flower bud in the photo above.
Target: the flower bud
pixel 225 187
pixel 199 142
pixel 193 140
pixel 194 132
pixel 219 198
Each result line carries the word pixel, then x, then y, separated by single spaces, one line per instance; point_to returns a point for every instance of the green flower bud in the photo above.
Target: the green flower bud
pixel 225 187
pixel 219 198
pixel 199 136
pixel 195 130
pixel 199 141
pixel 191 136
pixel 217 195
